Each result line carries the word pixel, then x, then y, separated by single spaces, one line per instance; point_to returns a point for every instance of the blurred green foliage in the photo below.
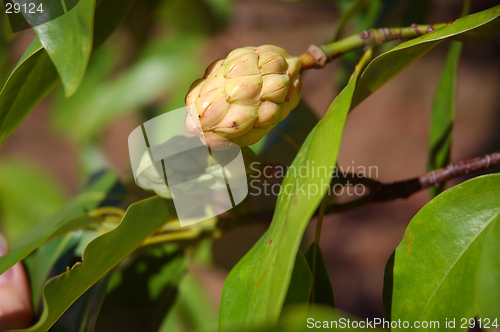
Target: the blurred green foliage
pixel 21 184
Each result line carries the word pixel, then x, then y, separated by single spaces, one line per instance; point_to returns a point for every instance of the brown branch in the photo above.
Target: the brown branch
pixel 318 57
pixel 438 177
pixel 381 192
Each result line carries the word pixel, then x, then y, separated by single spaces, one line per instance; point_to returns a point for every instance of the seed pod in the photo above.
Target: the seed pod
pixel 243 96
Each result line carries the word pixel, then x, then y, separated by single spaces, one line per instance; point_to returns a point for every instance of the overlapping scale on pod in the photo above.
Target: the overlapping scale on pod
pixel 243 96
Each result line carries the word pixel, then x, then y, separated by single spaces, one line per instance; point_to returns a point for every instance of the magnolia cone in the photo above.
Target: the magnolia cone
pixel 243 96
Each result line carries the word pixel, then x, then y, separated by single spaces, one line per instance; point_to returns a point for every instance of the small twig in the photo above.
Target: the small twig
pixel 438 177
pixel 380 192
pixel 365 59
pixel 318 57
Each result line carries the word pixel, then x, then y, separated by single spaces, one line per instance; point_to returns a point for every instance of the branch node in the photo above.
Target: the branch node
pixel 314 57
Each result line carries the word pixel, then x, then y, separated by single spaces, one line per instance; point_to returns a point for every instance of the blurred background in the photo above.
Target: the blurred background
pixel 147 66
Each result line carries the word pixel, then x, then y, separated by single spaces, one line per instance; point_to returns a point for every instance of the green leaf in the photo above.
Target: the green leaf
pixel 255 289
pixel 35 75
pixel 322 291
pixel 141 220
pixel 443 114
pixel 235 298
pixel 30 81
pixel 386 66
pixel 484 32
pixel 436 264
pixel 22 185
pixel 299 290
pixel 71 218
pixel 488 277
pixel 68 41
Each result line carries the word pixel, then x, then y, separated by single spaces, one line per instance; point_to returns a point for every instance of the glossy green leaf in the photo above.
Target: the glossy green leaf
pixel 198 307
pixel 488 277
pixel 35 75
pixel 322 291
pixel 71 218
pixel 436 264
pixel 299 290
pixel 141 220
pixel 484 32
pixel 443 114
pixel 68 40
pixel 22 185
pixel 255 289
pixel 386 66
